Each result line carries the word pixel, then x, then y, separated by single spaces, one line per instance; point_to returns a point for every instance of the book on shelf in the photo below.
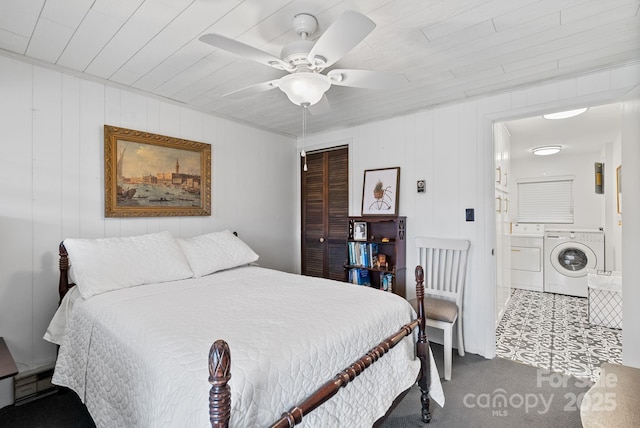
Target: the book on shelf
pixel 372 254
pixel 359 276
pixel 363 254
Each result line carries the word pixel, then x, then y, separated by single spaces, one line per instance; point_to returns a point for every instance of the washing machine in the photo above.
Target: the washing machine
pixel 569 254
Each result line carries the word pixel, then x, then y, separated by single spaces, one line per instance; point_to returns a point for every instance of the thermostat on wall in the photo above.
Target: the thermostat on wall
pixel 422 186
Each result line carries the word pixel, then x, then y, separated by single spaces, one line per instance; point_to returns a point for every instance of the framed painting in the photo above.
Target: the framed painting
pixel 150 175
pixel 380 191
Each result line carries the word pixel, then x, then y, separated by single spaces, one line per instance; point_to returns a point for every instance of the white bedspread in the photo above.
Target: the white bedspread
pixel 138 356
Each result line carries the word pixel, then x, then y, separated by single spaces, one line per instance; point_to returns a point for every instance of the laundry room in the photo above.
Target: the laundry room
pixel 578 185
pixel 561 180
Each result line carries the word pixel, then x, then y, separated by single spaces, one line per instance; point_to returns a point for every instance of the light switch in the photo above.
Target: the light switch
pixel 470 214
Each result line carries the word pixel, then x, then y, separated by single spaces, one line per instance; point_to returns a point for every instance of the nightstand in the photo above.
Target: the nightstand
pixel 8 367
pixel 8 370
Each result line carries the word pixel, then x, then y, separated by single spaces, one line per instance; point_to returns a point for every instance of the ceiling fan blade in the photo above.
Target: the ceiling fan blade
pixel 321 107
pixel 343 35
pixel 245 51
pixel 367 79
pixel 253 89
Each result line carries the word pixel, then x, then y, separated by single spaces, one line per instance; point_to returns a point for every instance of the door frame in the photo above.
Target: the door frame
pixel 489 121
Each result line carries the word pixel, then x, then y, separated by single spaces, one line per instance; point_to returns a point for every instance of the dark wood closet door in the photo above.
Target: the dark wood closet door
pixel 325 211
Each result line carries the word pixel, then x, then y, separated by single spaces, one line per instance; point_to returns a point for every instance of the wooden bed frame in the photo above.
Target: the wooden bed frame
pixel 220 364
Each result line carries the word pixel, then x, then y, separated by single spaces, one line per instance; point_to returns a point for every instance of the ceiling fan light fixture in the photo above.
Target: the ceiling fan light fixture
pixel 546 150
pixel 304 88
pixel 306 59
pixel 565 114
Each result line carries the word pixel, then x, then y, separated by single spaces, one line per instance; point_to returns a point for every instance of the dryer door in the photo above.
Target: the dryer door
pixel 573 259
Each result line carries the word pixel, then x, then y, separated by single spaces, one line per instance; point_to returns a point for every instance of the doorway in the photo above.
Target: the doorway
pixel 553 330
pixel 325 211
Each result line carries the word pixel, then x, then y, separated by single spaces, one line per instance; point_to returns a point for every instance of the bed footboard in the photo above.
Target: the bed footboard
pixel 220 373
pixel 325 392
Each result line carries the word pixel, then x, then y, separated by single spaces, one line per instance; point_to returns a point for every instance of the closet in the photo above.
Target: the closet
pixel 325 210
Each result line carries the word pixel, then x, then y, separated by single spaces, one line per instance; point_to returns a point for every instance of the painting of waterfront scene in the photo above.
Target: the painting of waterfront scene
pixel 153 175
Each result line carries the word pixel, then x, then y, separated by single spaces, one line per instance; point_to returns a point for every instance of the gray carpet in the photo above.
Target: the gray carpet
pixel 59 410
pixel 496 393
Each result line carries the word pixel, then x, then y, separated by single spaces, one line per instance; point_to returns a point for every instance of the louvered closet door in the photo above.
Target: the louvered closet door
pixel 325 210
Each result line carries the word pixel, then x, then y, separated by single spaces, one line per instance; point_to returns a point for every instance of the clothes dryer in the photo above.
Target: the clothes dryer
pixel 569 254
pixel 527 256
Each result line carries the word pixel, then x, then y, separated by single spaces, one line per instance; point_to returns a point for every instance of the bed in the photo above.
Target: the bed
pixel 135 338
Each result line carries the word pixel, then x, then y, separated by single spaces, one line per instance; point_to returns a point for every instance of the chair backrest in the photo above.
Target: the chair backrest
pixel 445 266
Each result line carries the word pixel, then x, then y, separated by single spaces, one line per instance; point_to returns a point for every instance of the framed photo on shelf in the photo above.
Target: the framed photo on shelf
pixel 149 175
pixel 380 191
pixel 360 231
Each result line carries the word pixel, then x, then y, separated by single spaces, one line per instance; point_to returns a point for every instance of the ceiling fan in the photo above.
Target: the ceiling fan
pixel 305 60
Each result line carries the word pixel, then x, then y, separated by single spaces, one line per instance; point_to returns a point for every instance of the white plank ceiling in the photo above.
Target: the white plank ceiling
pixel 448 50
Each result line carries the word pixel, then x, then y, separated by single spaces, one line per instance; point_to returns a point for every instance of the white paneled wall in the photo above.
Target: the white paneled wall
pixel 452 148
pixel 53 186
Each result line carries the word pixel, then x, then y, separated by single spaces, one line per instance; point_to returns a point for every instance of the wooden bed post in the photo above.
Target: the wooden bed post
pixel 63 263
pixel 220 393
pixel 422 347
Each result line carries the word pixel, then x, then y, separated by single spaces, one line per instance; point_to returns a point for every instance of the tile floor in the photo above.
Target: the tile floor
pixel 552 331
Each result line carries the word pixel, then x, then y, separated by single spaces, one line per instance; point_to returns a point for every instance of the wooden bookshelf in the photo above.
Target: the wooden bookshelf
pixel 388 236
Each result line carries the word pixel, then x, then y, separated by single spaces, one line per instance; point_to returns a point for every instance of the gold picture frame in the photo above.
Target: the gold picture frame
pixel 150 175
pixel 619 189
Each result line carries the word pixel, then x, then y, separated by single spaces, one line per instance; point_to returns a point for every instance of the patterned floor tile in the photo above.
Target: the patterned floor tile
pixel 552 331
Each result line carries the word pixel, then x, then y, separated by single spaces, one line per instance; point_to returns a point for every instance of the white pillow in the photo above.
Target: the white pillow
pixel 106 264
pixel 216 251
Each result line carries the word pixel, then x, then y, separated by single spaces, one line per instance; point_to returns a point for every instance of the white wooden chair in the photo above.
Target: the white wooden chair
pixel 445 270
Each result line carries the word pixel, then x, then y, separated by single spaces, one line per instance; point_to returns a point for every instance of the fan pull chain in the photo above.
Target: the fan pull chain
pixel 304 136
